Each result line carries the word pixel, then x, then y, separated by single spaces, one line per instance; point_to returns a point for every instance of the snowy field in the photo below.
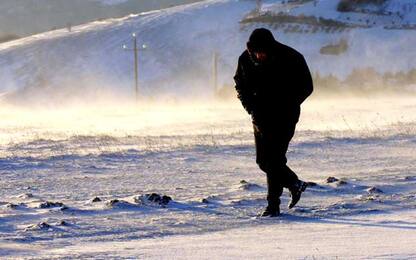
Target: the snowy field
pixel 177 180
pixel 75 182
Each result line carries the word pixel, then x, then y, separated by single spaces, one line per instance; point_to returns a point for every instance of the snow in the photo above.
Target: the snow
pixel 93 179
pixel 203 158
pixel 387 236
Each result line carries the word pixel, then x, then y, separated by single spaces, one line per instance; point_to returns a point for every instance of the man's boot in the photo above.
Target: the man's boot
pixel 274 191
pixel 296 192
pixel 273 207
pixel 271 211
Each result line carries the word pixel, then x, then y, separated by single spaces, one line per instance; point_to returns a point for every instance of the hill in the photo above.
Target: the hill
pixel 181 41
pixel 27 17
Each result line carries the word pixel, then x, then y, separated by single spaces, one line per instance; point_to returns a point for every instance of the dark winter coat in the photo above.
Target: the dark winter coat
pixel 273 91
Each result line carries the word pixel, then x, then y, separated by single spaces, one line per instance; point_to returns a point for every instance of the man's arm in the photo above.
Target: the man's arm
pixel 305 83
pixel 244 93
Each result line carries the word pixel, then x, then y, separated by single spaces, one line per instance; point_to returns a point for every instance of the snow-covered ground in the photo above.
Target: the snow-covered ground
pixel 386 236
pixel 202 156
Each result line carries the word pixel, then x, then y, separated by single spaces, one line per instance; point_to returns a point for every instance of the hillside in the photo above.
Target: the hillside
pixel 27 17
pixel 338 15
pixel 89 59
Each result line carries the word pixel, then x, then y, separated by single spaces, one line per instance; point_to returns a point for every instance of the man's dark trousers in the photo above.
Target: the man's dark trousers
pixel 272 143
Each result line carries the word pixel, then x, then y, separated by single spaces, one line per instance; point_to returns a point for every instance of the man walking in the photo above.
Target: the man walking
pixel 272 81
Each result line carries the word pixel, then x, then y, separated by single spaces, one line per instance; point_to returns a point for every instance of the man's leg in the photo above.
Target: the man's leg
pixel 271 148
pixel 278 144
pixel 274 186
pixel 289 179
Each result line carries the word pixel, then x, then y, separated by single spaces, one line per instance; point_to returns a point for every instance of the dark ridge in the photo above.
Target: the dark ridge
pixel 352 5
pixel 8 37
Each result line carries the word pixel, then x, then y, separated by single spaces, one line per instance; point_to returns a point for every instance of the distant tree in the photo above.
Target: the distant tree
pixel 363 77
pixel 225 92
pixel 326 83
pixel 411 76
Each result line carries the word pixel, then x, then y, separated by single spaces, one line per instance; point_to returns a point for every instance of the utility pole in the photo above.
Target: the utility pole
pixel 215 71
pixel 258 5
pixel 136 67
pixel 136 63
pixel 69 27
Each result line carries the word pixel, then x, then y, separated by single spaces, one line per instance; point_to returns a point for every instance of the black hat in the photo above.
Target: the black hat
pixel 261 39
